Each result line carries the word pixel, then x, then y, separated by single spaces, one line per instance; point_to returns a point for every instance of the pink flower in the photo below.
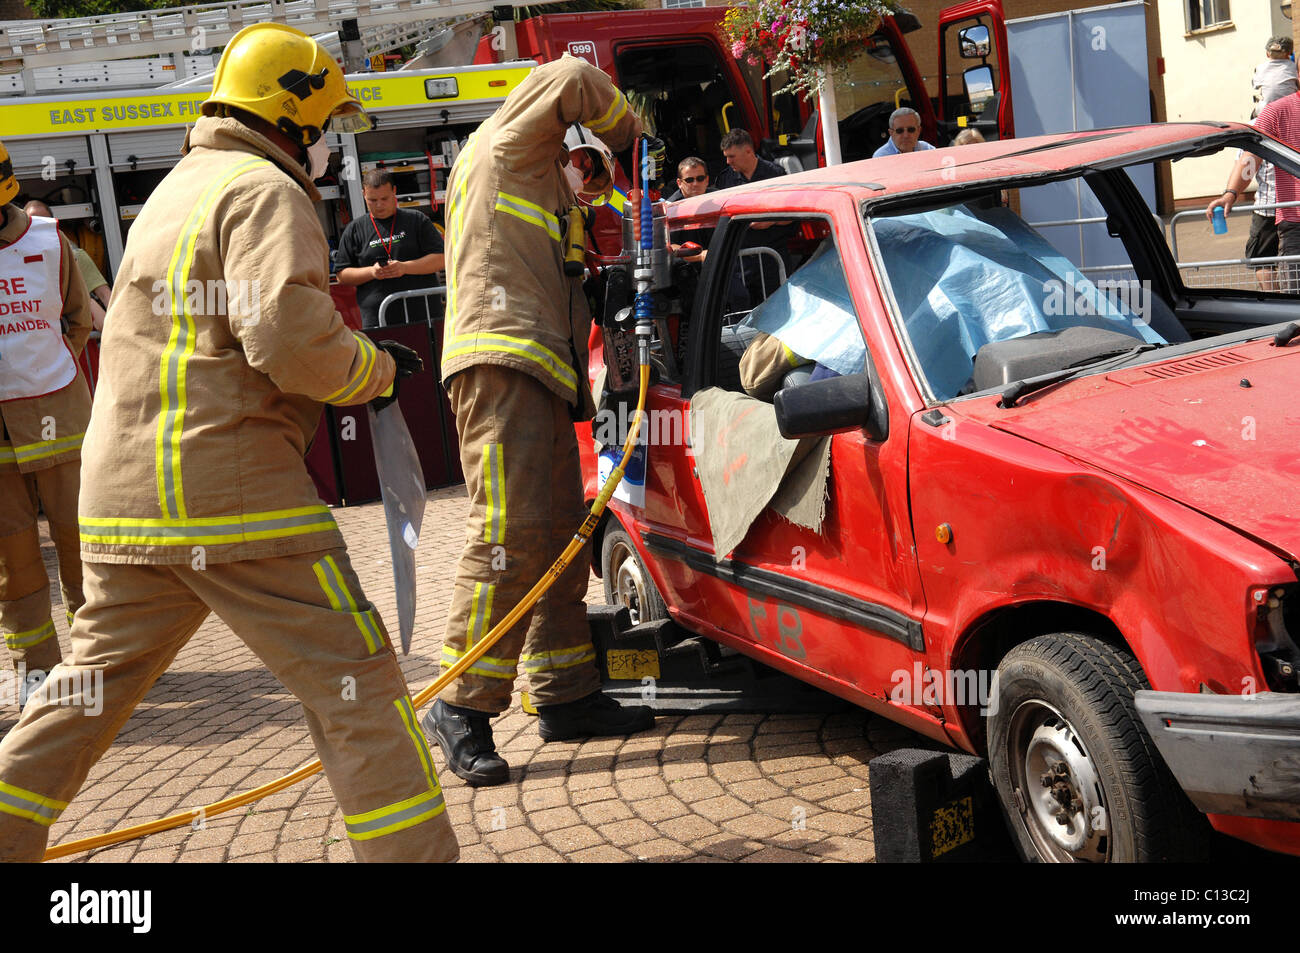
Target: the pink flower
pixel 738 49
pixel 753 60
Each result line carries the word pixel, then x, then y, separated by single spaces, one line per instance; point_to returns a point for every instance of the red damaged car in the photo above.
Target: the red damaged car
pixel 952 436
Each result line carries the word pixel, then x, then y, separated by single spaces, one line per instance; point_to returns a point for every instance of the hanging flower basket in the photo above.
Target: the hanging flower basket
pixel 811 39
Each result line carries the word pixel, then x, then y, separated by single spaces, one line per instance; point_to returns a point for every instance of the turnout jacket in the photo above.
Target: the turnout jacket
pixel 220 345
pixel 42 432
pixel 509 302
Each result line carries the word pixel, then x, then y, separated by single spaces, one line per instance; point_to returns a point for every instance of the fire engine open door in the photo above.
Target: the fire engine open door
pixel 974 78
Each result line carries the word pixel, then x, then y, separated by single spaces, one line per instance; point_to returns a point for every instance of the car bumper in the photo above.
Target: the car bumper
pixel 1233 754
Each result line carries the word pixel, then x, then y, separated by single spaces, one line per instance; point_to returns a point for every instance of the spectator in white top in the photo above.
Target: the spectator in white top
pixel 1276 76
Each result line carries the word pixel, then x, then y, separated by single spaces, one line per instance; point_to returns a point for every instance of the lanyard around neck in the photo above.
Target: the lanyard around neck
pixel 388 245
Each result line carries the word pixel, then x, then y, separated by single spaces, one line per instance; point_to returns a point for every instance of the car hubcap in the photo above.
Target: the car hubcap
pixel 1064 806
pixel 629 584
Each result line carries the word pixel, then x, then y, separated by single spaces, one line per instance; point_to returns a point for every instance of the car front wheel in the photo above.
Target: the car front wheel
pixel 626 581
pixel 1077 773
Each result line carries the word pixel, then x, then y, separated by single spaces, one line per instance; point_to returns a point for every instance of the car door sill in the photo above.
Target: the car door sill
pixel 798 592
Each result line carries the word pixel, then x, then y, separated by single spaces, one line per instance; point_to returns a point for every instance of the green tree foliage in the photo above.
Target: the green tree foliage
pixel 65 9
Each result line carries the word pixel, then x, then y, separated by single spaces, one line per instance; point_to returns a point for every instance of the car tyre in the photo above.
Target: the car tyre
pixel 1077 774
pixel 627 583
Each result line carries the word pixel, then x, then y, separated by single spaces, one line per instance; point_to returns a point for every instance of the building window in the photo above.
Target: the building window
pixel 1206 14
pixel 677 4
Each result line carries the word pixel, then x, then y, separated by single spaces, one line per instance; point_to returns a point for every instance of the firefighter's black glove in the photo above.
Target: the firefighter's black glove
pixel 408 363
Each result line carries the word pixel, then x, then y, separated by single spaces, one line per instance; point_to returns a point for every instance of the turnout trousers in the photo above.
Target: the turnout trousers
pixel 24 585
pixel 520 457
pixel 306 618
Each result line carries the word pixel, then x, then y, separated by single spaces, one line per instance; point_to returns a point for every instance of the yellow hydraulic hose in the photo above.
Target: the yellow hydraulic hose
pixel 579 540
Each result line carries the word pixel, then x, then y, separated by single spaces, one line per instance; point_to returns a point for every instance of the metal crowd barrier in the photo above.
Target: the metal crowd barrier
pixel 1239 273
pixel 1236 273
pixel 762 252
pixel 425 294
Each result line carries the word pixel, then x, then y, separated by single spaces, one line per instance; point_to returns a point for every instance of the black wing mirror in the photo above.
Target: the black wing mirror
pixel 829 406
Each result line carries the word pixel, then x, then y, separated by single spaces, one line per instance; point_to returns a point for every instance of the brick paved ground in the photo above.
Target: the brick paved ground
pixel 752 788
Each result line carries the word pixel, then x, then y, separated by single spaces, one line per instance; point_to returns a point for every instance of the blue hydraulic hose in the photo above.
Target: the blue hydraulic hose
pixel 647 240
pixel 645 265
pixel 643 306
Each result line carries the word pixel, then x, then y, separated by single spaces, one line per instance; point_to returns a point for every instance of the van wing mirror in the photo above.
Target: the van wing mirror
pixel 973 42
pixel 980 91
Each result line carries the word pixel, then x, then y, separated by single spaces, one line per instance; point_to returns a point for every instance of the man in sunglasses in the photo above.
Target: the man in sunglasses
pixel 692 179
pixel 904 134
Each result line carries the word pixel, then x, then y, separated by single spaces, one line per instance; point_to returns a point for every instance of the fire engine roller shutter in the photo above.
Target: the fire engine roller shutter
pixel 29 155
pixel 149 149
pixel 470 113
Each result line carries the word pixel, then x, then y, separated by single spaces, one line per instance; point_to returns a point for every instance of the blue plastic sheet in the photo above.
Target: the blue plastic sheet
pixel 963 279
pixel 813 315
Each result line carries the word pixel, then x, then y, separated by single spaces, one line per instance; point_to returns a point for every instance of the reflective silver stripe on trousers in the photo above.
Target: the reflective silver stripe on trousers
pixel 556 659
pixel 429 803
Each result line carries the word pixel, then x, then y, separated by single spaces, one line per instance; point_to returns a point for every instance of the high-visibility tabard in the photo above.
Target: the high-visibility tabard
pixel 34 358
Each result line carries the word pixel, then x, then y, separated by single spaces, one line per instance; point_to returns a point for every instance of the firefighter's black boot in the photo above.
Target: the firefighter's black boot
pixel 465 737
pixel 597 715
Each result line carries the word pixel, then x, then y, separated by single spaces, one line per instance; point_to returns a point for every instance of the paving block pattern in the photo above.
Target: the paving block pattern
pixel 751 788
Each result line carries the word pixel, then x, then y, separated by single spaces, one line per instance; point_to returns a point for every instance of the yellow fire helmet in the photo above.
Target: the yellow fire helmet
pixel 8 184
pixel 285 77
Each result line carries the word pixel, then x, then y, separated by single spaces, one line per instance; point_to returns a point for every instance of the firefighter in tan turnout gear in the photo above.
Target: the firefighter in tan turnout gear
pixel 514 363
pixel 221 345
pixel 44 408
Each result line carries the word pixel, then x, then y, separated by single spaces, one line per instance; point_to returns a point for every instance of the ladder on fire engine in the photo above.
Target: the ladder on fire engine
pixel 380 26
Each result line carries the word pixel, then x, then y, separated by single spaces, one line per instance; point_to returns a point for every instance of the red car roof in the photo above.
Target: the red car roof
pixel 945 168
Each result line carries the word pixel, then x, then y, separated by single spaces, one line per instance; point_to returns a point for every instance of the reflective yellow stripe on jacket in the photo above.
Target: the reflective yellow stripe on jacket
pixel 30 452
pixel 359 380
pixel 505 344
pixel 530 212
pixel 207 530
pixel 456 224
pixel 617 109
pixel 180 345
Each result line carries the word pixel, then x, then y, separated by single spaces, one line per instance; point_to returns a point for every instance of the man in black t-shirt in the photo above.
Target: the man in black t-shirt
pixel 743 163
pixel 389 249
pixel 754 279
